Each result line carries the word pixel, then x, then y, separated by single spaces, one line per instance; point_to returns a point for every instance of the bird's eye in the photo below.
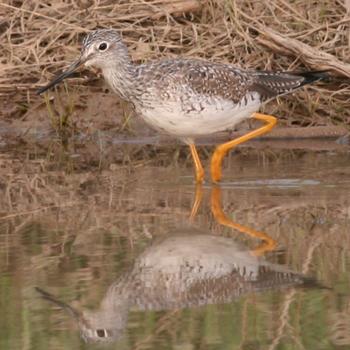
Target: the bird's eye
pixel 103 46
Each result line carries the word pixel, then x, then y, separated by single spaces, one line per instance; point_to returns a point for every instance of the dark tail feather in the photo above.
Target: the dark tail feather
pixel 312 76
pixel 272 84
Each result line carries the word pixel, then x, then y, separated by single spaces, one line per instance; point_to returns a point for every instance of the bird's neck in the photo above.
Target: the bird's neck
pixel 122 78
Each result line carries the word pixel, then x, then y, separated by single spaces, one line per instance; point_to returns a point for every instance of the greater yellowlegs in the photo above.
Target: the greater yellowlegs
pixel 187 98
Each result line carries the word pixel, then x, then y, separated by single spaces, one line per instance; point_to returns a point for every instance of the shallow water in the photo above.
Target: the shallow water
pixel 121 257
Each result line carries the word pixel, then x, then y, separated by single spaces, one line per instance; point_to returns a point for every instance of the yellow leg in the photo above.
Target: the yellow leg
pixel 221 150
pixel 267 244
pixel 197 200
pixel 197 163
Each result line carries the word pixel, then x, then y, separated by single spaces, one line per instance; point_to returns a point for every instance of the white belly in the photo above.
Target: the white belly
pixel 200 118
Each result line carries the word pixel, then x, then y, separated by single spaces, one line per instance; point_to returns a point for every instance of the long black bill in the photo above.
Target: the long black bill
pixel 71 69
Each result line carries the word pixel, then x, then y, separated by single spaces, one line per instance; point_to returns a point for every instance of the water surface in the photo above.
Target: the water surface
pixel 121 258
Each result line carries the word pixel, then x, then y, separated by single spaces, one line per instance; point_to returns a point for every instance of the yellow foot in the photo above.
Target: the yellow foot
pixel 221 150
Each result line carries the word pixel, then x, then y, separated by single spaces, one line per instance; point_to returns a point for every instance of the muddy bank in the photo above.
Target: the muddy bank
pixel 102 126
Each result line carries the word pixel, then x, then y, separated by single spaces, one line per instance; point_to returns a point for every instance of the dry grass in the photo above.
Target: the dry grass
pixel 40 37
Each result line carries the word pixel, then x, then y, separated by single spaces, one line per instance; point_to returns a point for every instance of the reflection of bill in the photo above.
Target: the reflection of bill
pixel 189 268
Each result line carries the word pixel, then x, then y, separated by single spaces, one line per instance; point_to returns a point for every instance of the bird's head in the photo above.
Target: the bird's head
pixel 101 48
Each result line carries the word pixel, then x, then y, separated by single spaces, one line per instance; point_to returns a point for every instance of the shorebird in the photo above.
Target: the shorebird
pixel 188 98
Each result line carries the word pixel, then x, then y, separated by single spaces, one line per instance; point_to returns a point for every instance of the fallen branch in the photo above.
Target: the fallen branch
pixel 311 56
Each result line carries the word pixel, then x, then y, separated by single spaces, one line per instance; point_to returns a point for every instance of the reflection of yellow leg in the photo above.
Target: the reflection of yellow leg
pixel 197 200
pixel 197 163
pixel 268 243
pixel 221 150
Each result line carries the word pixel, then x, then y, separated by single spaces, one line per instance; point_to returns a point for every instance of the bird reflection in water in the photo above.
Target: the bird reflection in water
pixel 188 268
